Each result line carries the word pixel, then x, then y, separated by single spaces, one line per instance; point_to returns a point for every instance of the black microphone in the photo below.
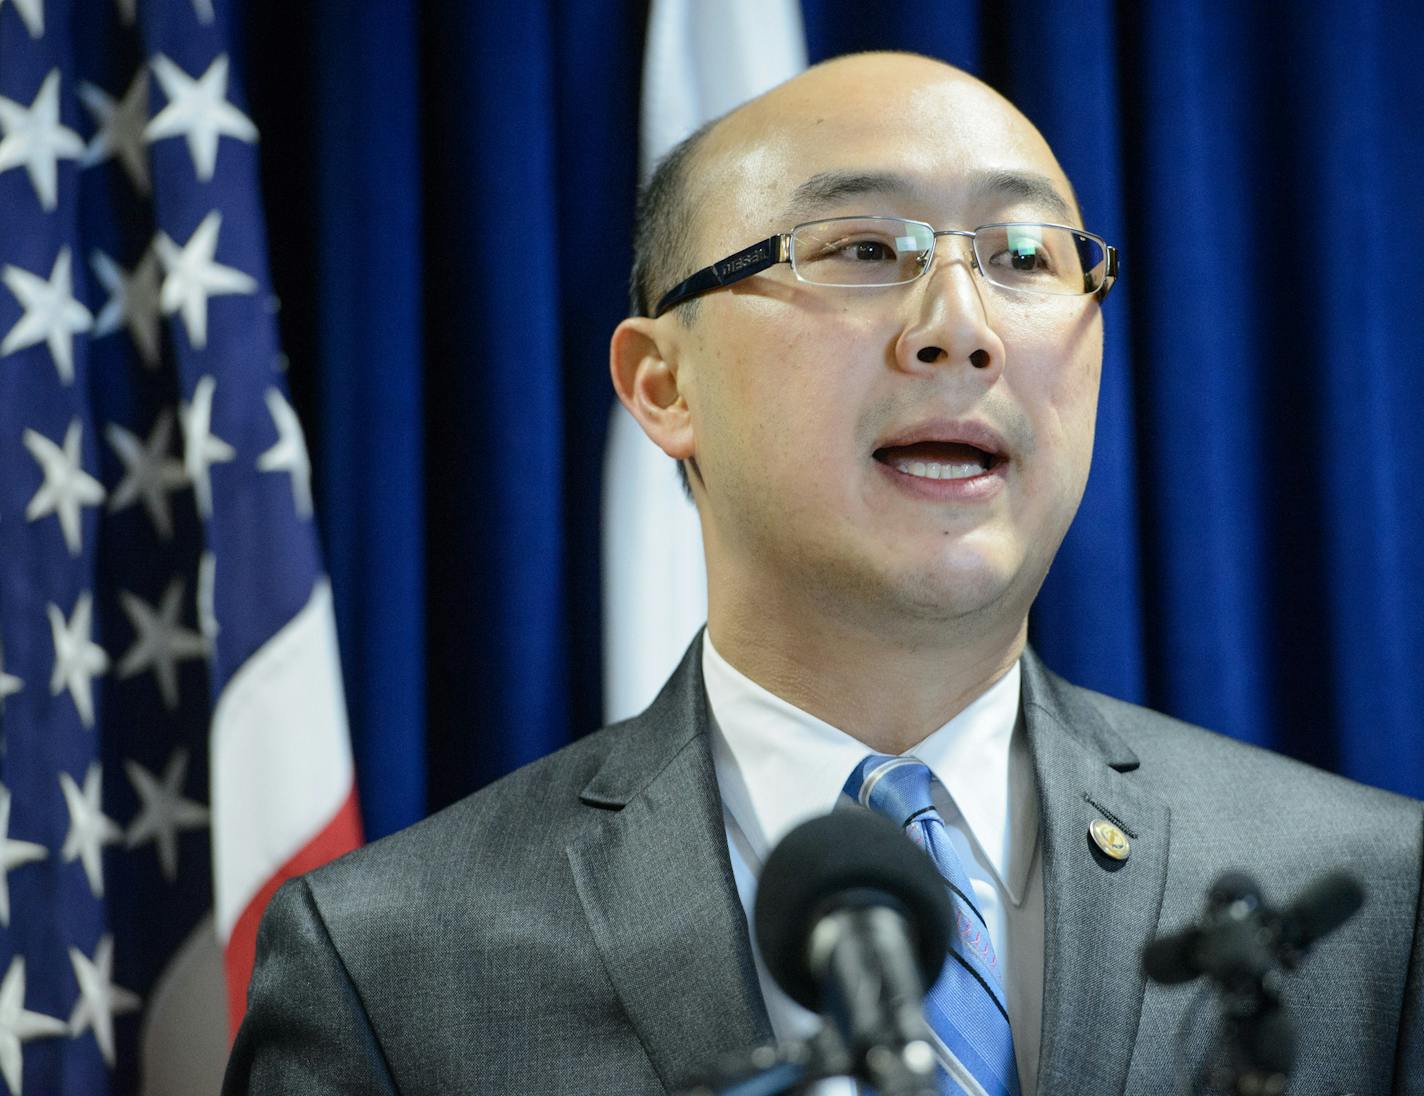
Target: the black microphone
pixel 1241 938
pixel 853 922
pixel 1241 944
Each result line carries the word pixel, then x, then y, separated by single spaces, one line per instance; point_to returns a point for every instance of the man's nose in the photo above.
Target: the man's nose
pixel 951 323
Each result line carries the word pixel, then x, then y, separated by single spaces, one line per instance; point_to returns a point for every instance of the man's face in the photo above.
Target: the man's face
pixel 819 414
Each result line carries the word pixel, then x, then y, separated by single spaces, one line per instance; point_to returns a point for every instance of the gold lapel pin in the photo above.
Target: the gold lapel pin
pixel 1111 840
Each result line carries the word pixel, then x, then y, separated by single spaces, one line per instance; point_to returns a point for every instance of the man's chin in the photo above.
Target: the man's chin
pixel 948 602
pixel 951 592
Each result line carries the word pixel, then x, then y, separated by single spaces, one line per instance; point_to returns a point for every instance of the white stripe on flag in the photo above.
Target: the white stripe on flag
pixel 701 60
pixel 281 759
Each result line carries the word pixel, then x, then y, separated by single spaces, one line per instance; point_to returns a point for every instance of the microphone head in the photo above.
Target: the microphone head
pixel 1233 887
pixel 1322 908
pixel 1180 957
pixel 846 859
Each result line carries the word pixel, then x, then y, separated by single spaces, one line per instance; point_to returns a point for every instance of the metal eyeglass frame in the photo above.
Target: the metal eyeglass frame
pixel 777 249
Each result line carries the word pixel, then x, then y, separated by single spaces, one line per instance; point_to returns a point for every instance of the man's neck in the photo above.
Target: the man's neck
pixel 888 692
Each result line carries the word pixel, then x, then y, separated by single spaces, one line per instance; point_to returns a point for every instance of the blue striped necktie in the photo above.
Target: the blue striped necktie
pixel 965 1009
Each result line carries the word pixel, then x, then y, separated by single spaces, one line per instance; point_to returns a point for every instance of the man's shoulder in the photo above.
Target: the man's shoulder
pixel 495 837
pixel 1223 786
pixel 1172 745
pixel 505 846
pixel 476 913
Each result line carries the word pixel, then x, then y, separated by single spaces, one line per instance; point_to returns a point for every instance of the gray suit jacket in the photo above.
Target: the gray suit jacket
pixel 574 928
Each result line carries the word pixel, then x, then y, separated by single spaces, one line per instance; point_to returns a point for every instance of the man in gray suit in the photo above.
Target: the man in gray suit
pixel 886 418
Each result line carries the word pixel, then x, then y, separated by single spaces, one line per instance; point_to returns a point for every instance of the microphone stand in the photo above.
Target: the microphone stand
pixel 1258 1037
pixel 1244 947
pixel 780 1068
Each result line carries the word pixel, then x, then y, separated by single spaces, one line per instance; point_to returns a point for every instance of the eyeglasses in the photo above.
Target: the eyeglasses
pixel 869 252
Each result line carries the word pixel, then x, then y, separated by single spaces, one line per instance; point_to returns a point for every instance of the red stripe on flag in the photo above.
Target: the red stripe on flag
pixel 341 834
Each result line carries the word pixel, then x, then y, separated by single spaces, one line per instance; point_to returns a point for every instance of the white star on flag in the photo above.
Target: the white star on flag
pixel 32 12
pixel 99 999
pixel 121 124
pixel 289 454
pixel 35 138
pixel 66 485
pixel 165 811
pixel 18 1025
pixel 192 276
pixel 9 684
pixel 161 642
pixel 133 300
pixel 13 854
pixel 127 11
pixel 207 595
pixel 90 829
pixel 77 658
pixel 52 315
pixel 150 472
pixel 201 447
pixel 198 110
pixel 203 9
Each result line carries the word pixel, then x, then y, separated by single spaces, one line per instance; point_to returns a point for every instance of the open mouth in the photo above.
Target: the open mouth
pixel 939 460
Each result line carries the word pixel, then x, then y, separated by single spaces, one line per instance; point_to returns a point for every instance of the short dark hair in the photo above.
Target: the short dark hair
pixel 662 225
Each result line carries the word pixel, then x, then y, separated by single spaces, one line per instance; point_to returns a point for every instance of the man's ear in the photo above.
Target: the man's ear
pixel 642 357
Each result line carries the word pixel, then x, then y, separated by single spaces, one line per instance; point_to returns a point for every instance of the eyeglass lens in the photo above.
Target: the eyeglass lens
pixel 876 251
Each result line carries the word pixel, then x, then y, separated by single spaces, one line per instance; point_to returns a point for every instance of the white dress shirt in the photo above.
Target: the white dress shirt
pixel 778 766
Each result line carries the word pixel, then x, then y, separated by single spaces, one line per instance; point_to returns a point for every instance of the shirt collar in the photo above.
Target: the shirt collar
pixel 778 766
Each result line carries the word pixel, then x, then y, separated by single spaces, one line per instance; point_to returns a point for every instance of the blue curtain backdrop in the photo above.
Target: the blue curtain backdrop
pixel 450 190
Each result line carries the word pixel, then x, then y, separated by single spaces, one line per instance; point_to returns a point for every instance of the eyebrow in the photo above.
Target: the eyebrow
pixel 831 187
pixel 1037 190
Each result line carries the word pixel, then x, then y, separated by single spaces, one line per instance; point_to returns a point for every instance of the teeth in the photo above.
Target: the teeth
pixel 936 470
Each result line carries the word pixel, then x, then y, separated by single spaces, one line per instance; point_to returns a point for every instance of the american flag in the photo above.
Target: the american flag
pixel 172 732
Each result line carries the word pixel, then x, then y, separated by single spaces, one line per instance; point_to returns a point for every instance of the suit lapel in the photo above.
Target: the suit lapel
pixel 653 873
pixel 1099 912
